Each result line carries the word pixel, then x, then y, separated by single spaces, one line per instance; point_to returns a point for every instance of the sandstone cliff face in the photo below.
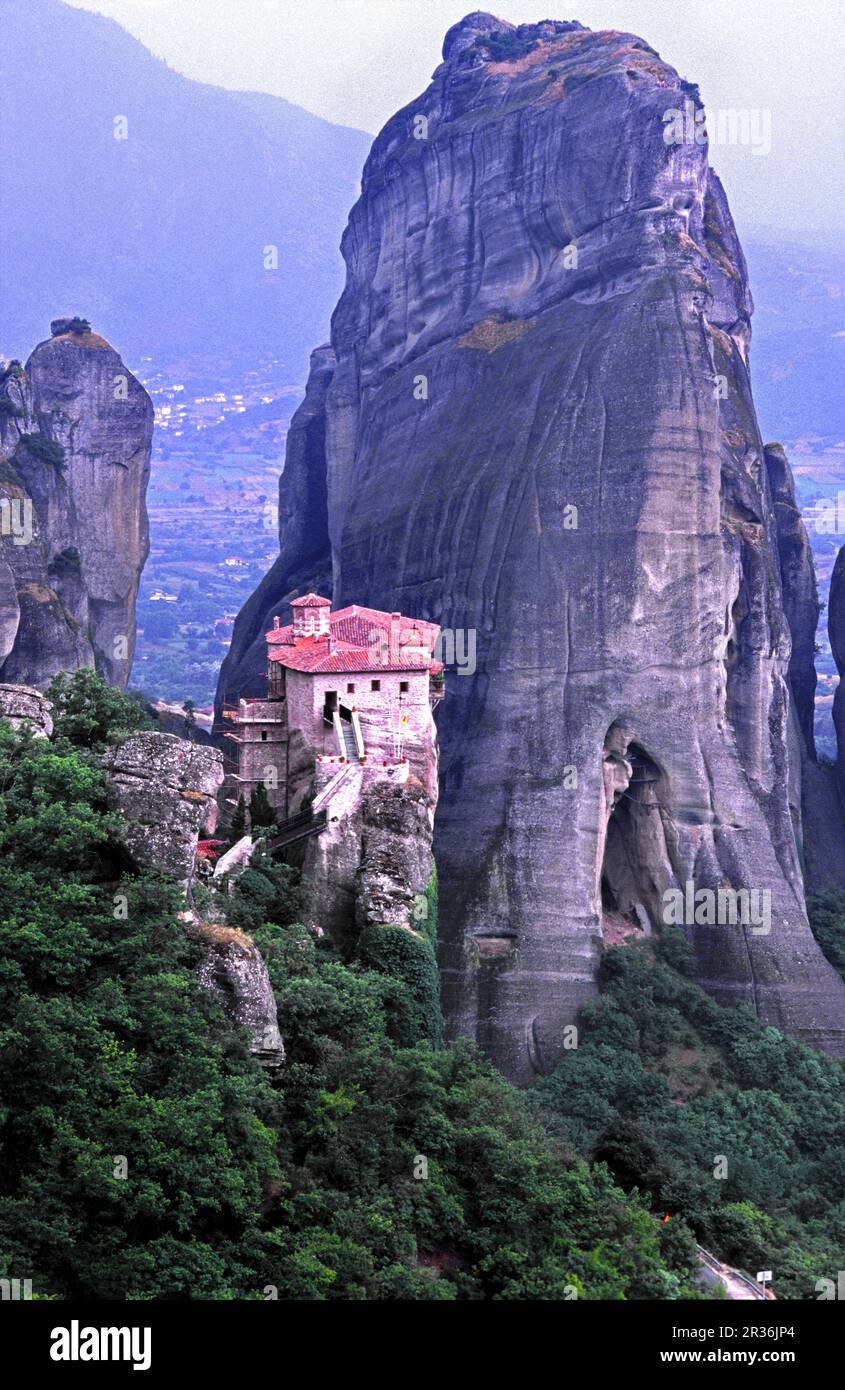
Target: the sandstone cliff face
pixel 396 863
pixel 814 798
pixel 75 432
pixel 546 310
pixel 800 591
pixel 836 633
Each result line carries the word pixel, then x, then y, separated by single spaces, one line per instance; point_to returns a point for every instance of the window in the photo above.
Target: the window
pixel 403 687
pixel 263 735
pixel 375 685
pixel 350 689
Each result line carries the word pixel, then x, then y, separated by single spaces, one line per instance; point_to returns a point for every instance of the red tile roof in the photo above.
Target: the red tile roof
pixel 207 849
pixel 311 601
pixel 359 641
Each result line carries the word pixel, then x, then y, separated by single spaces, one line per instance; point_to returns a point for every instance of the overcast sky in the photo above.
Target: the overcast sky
pixel 356 61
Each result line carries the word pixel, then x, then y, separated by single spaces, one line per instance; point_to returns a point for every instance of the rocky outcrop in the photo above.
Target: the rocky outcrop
pixel 236 859
pixel 395 862
pixel 75 432
pixel 372 862
pixel 814 794
pixel 800 592
pixel 235 972
pixel 165 790
pixel 23 707
pixel 836 634
pixel 540 428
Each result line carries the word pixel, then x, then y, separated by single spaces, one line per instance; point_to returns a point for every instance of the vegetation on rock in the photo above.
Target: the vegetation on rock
pixel 261 813
pixel 827 918
pixel 665 1082
pixel 87 713
pixel 47 450
pixel 147 1155
pixel 407 960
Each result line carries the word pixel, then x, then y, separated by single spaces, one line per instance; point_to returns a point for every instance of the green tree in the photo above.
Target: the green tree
pixel 261 813
pixel 827 919
pixel 88 713
pixel 267 893
pixel 237 827
pixel 190 710
pixel 112 1052
pixel 664 1081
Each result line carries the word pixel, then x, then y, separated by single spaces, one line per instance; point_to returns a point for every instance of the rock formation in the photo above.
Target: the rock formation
pixel 800 591
pixel 539 427
pixel 396 863
pixel 814 796
pixel 372 863
pixel 23 707
pixel 165 788
pixel 234 971
pixel 75 432
pixel 836 633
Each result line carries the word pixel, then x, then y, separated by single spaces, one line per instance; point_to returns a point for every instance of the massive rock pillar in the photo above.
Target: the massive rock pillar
pixel 539 430
pixel 75 434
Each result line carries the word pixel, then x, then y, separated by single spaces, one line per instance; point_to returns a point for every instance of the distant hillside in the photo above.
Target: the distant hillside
pixel 160 238
pixel 798 344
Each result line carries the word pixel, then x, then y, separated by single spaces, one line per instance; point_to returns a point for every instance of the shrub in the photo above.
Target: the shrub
pixel 87 713
pixel 267 892
pixel 664 1080
pixel 261 813
pixel 74 325
pixel 40 447
pixel 827 919
pixel 413 1001
pixel 505 47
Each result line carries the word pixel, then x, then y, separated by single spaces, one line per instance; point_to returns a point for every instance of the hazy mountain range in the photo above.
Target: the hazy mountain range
pixel 160 237
pixel 798 343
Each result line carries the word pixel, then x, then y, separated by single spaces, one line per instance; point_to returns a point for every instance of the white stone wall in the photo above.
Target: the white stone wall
pixel 263 724
pixel 306 696
pixel 262 750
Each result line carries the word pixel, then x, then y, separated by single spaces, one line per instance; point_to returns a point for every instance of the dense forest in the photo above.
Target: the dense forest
pixel 146 1154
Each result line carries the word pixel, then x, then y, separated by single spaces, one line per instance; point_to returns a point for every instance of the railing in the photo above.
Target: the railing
pixel 324 797
pixel 297 828
pixel 727 1275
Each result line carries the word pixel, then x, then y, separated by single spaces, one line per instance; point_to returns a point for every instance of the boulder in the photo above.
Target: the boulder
pixel 22 705
pixel 165 788
pixel 234 971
